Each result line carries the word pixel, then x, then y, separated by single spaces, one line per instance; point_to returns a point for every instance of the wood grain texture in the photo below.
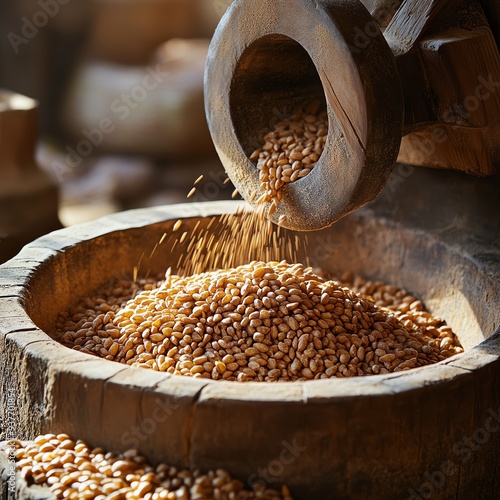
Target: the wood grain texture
pixel 475 151
pixel 449 66
pixel 382 10
pixel 463 68
pixel 412 20
pixel 446 60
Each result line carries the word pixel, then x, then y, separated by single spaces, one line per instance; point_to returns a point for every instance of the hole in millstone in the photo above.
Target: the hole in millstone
pixel 274 77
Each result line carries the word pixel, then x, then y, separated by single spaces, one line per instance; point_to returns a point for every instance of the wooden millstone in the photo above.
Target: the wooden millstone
pixel 258 72
pixel 380 437
pixel 426 71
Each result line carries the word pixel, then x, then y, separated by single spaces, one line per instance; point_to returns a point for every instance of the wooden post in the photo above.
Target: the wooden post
pixel 28 198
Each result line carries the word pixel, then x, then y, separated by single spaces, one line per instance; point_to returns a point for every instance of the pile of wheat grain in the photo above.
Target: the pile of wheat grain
pixel 290 151
pixel 264 321
pixel 74 470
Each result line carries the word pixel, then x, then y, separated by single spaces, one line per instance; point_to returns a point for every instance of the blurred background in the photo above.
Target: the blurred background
pixel 121 120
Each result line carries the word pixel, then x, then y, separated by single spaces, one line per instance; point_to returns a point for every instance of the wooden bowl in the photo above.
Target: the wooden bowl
pixel 386 436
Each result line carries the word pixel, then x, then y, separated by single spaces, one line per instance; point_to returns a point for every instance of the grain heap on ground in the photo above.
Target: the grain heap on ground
pixel 73 470
pixel 260 322
pixel 290 151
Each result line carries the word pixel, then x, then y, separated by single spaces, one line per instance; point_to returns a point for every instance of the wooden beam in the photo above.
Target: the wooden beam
pixel 475 151
pixel 411 22
pixel 463 68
